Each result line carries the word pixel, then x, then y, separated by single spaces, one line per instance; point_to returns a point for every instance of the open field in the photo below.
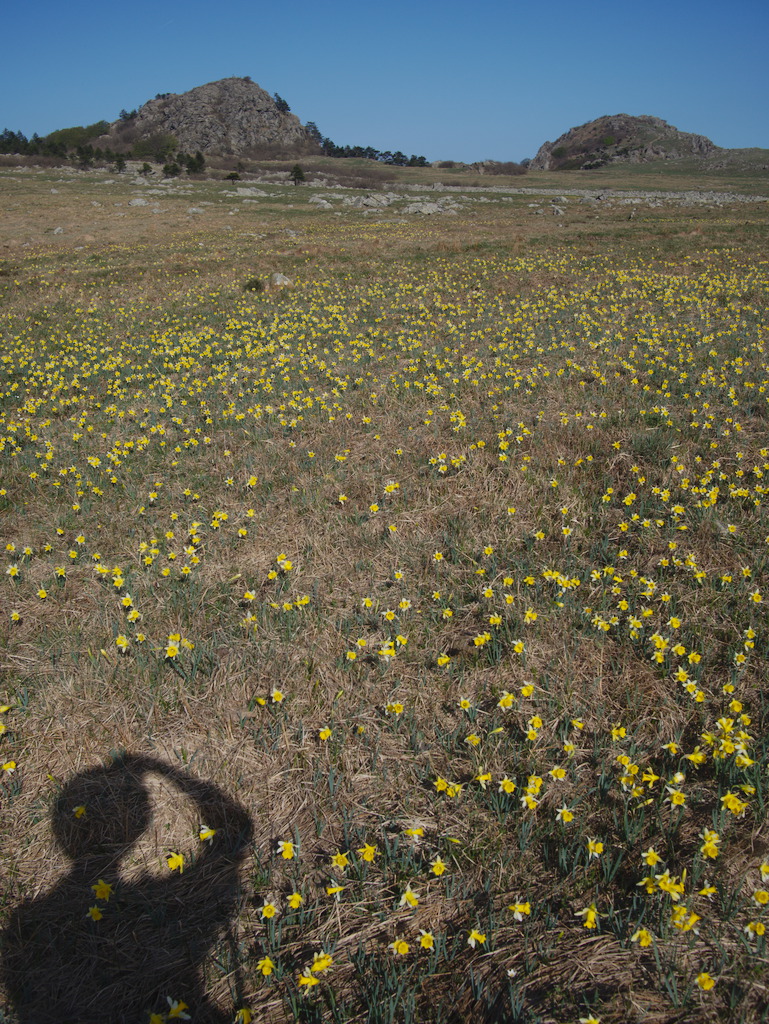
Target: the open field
pixel 390 646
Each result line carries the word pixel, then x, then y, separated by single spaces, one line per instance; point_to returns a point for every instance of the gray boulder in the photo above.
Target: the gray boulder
pixel 426 209
pixel 280 280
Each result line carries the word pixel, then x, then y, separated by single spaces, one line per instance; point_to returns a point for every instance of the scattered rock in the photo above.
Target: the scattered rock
pixel 195 209
pixel 427 209
pixel 138 202
pixel 373 201
pixel 424 208
pixel 280 281
pixel 58 231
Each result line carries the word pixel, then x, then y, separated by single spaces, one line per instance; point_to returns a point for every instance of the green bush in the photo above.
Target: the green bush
pixel 157 147
pixel 71 138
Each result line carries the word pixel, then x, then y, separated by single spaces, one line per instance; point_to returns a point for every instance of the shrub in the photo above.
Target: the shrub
pixel 71 138
pixel 157 147
pixel 505 167
pixel 195 164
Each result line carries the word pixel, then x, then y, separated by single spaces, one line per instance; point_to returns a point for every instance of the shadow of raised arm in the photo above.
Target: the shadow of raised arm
pixel 217 810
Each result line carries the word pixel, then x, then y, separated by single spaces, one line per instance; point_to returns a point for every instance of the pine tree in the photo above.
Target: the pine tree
pixel 314 132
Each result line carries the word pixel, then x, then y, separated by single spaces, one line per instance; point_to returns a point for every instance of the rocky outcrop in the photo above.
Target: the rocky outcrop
pixel 231 116
pixel 618 138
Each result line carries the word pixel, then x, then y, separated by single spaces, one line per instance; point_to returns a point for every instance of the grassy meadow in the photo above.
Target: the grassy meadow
pixel 447 565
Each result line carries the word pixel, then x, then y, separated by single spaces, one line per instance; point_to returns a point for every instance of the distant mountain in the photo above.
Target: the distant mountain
pixel 230 117
pixel 620 138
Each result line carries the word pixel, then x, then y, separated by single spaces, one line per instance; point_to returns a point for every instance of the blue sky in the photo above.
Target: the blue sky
pixel 448 79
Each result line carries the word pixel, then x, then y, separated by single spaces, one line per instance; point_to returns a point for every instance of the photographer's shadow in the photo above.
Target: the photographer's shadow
pixel 61 965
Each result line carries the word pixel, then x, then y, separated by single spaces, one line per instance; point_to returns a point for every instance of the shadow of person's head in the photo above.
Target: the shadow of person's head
pixel 101 813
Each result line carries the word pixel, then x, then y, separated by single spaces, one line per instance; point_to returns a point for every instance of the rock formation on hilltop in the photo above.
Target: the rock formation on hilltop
pixel 619 137
pixel 231 116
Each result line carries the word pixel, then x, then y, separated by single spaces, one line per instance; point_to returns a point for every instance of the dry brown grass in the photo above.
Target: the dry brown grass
pixel 381 302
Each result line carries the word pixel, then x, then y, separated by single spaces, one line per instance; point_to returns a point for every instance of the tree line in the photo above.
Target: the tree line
pixel 74 145
pixel 330 148
pixel 70 144
pixel 58 144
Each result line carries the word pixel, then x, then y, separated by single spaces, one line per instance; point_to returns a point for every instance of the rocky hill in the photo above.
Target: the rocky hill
pixel 230 117
pixel 620 137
